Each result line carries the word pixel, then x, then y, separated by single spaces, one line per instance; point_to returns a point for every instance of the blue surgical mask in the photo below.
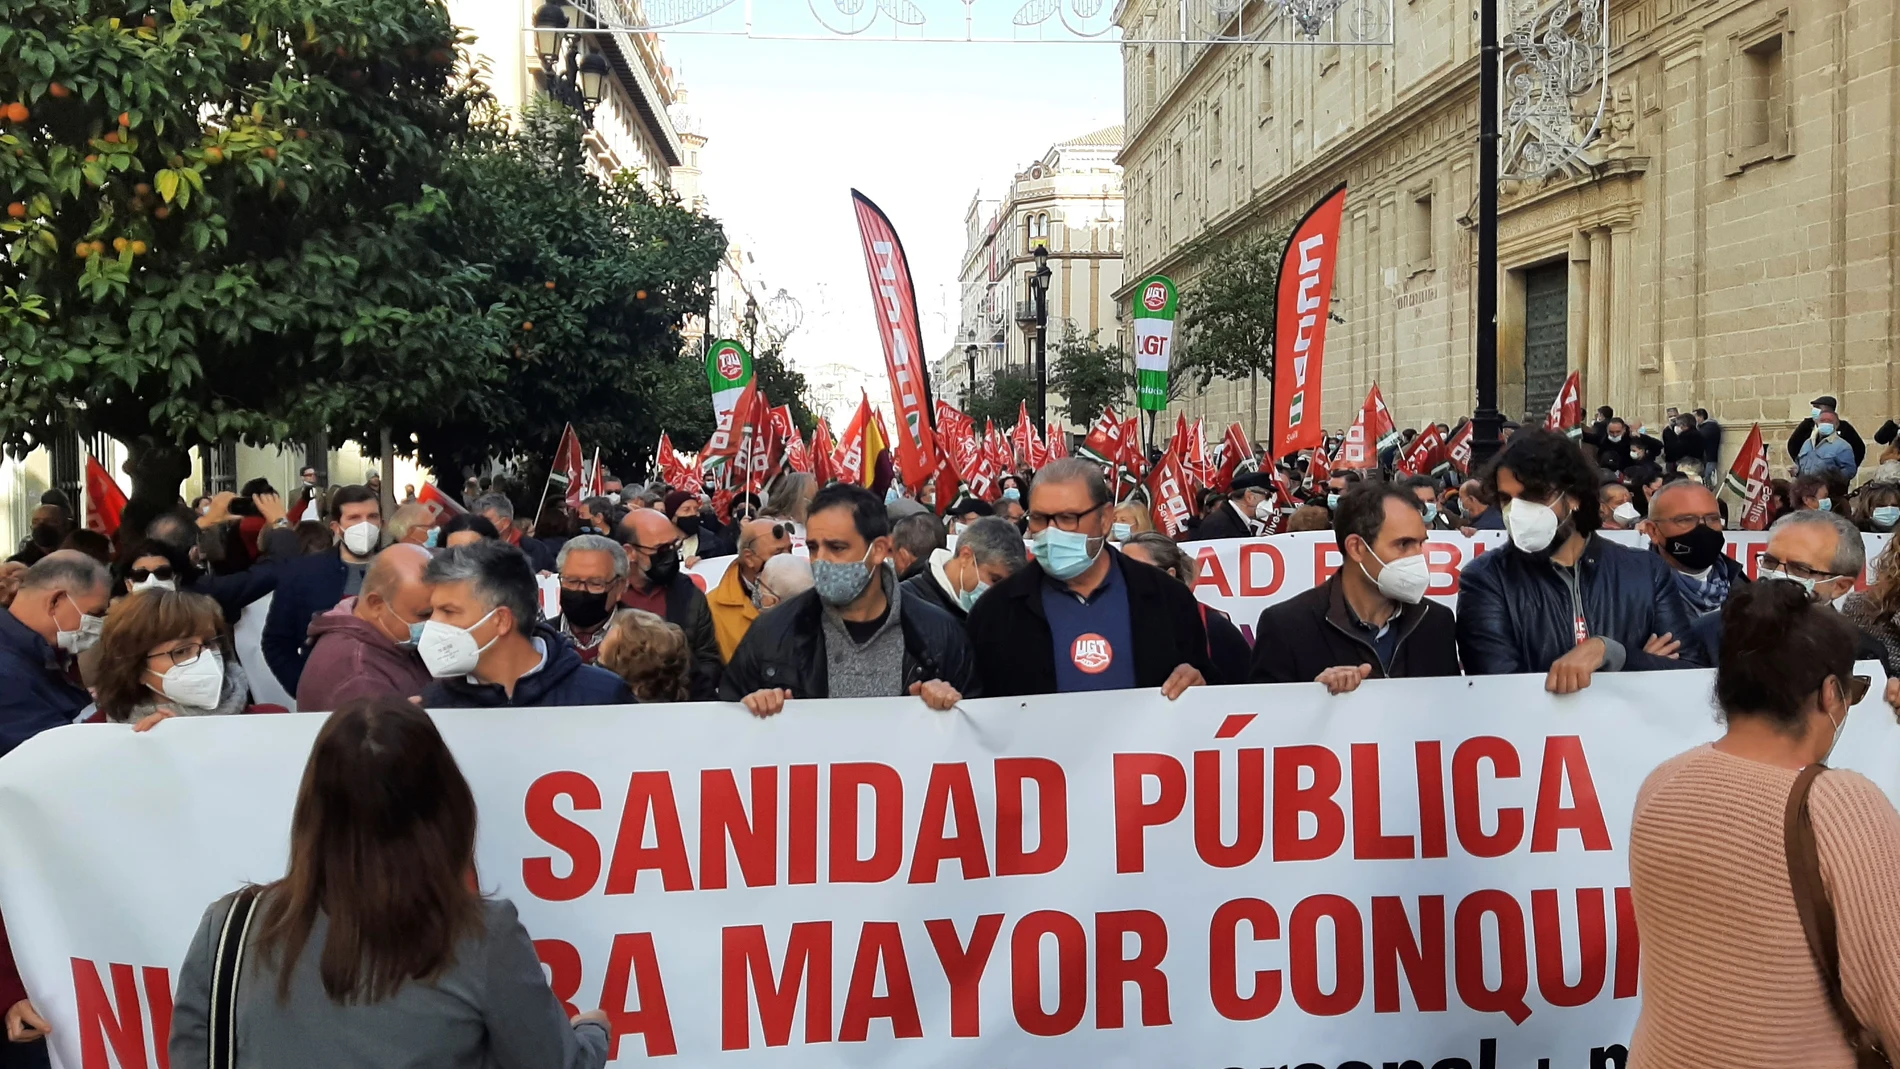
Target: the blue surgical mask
pixel 1826 504
pixel 1805 584
pixel 434 534
pixel 1814 413
pixel 1332 501
pixel 1064 554
pixel 1886 516
pixel 1431 511
pixel 1121 532
pixel 968 598
pixel 1012 494
pixel 1825 430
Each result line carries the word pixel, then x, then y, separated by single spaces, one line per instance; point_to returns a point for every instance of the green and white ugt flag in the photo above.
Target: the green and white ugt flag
pixel 728 372
pixel 1154 341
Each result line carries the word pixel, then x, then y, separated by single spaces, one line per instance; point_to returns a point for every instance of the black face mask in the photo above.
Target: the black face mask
pixel 46 536
pixel 584 609
pixel 664 568
pixel 688 525
pixel 1697 549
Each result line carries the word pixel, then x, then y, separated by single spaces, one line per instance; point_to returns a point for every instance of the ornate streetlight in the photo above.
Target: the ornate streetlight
pixel 571 72
pixel 1039 289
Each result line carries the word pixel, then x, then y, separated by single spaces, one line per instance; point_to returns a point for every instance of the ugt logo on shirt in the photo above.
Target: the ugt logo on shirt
pixel 1092 653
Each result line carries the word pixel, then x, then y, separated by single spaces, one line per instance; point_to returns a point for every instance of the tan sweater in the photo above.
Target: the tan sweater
pixel 1727 977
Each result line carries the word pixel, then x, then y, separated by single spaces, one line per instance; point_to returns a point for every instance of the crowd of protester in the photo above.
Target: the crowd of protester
pixel 1058 585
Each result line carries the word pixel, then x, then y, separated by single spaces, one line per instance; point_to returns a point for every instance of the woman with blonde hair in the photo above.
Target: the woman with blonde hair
pixel 1877 608
pixel 376 948
pixel 650 654
pixel 167 653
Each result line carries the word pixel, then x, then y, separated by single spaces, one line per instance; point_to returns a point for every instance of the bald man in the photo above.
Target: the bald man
pixel 657 583
pixel 366 646
pixel 735 601
pixel 1685 528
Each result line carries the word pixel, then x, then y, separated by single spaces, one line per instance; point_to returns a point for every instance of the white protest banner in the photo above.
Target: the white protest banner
pixel 1430 870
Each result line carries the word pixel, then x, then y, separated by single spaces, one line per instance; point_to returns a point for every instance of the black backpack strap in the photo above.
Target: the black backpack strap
pixel 227 959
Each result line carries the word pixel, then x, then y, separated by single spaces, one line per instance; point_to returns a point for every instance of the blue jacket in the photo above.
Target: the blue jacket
pixel 1827 456
pixel 34 692
pixel 561 680
pixel 1516 614
pixel 306 587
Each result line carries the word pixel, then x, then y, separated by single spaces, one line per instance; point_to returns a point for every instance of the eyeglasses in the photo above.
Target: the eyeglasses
pixel 1772 563
pixel 1712 520
pixel 1063 521
pixel 1857 688
pixel 139 575
pixel 674 545
pixel 183 655
pixel 591 586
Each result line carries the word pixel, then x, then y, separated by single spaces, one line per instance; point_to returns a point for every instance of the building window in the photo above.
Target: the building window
pixel 1180 169
pixel 1758 97
pixel 1263 90
pixel 1148 79
pixel 1215 137
pixel 1418 232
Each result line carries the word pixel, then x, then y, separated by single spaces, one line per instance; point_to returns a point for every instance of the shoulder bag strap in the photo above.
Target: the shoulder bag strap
pixel 1817 916
pixel 226 960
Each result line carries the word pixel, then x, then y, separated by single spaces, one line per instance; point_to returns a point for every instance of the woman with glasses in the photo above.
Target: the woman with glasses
pixel 166 653
pixel 1732 841
pixel 155 565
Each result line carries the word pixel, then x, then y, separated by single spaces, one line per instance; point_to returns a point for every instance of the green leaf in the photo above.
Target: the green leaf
pixel 166 181
pixel 180 12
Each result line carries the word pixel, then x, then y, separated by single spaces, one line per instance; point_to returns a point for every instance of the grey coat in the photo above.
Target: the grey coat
pixel 492 1008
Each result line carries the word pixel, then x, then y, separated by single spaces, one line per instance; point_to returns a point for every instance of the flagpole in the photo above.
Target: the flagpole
pixel 549 485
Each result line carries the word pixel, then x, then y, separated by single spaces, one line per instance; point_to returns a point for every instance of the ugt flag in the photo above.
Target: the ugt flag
pixel 728 372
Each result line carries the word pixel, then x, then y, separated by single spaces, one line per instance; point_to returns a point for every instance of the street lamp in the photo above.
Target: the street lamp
pixel 571 72
pixel 1039 289
pixel 1487 424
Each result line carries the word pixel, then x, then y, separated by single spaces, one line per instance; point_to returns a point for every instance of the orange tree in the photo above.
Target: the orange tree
pixel 216 219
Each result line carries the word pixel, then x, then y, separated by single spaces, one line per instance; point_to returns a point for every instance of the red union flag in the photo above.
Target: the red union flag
pixel 105 502
pixel 1426 454
pixel 1304 299
pixel 796 457
pixel 1750 481
pixel 896 302
pixel 1058 443
pixel 850 460
pixel 1458 450
pixel 1104 440
pixel 1566 409
pixel 823 466
pixel 1131 456
pixel 1234 451
pixel 1367 434
pixel 1168 490
pixel 569 464
pixel 724 442
pixel 954 431
pixel 675 472
pixel 438 503
pixel 1319 467
pixel 1029 447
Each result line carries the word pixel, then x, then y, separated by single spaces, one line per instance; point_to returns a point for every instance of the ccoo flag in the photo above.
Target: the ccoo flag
pixel 896 302
pixel 1750 480
pixel 728 372
pixel 1299 333
pixel 1154 341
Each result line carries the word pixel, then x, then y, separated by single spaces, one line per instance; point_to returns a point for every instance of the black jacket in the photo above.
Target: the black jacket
pixel 1015 651
pixel 924 584
pixel 1223 522
pixel 562 680
pixel 305 587
pixel 1705 638
pixel 1301 637
pixel 1515 612
pixel 686 606
pixel 714 544
pixel 1678 445
pixel 1711 433
pixel 1805 431
pixel 234 591
pixel 1227 648
pixel 1615 456
pixel 786 649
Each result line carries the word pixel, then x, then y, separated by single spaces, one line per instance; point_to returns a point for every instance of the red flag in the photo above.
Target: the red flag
pixel 1168 492
pixel 954 438
pixel 1458 450
pixel 1197 460
pixel 824 466
pixel 1234 450
pixel 724 443
pixel 761 450
pixel 1370 432
pixel 105 502
pixel 1058 443
pixel 1566 409
pixel 850 459
pixel 1028 444
pixel 569 463
pixel 1319 467
pixel 1425 455
pixel 674 471
pixel 1302 303
pixel 896 301
pixel 438 503
pixel 1178 442
pixel 1749 479
pixel 946 481
pixel 998 448
pixel 1104 440
pixel 722 505
pixel 796 457
pixel 1131 456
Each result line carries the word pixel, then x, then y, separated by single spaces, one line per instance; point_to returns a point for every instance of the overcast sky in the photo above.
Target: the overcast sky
pixel 793 126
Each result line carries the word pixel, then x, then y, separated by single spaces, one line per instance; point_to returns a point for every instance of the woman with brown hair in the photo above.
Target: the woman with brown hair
pixel 1727 858
pixel 650 654
pixel 375 949
pixel 1877 608
pixel 167 653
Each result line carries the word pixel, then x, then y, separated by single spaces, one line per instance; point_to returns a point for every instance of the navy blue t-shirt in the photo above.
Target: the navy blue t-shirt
pixel 1093 638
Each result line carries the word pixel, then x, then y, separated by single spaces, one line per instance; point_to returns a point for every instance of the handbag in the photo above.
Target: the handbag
pixel 226 961
pixel 1817 917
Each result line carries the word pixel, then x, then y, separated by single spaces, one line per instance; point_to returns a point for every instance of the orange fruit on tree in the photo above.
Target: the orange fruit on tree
pixel 59 90
pixel 639 295
pixel 163 211
pixel 16 210
pixel 125 118
pixel 17 112
pixel 270 153
pixel 82 249
pixel 111 138
pixel 143 189
pixel 549 283
pixel 527 326
pixel 214 154
pixel 138 248
pixel 120 244
pixel 303 135
pixel 151 22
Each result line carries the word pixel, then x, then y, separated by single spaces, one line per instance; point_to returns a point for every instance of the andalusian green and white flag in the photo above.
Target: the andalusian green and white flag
pixel 1154 341
pixel 729 372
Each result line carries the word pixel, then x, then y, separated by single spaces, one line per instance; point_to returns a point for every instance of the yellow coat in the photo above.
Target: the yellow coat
pixel 732 611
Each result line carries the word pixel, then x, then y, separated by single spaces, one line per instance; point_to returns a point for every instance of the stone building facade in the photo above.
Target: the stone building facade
pixel 1070 201
pixel 1731 241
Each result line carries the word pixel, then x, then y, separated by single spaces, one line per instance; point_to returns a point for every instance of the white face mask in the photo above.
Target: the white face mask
pixel 1532 525
pixel 360 538
pixel 198 684
pixel 83 637
pixel 1264 510
pixel 1626 514
pixel 448 651
pixel 155 584
pixel 1404 579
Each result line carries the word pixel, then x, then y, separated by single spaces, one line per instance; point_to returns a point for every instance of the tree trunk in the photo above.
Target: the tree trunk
pixel 157 469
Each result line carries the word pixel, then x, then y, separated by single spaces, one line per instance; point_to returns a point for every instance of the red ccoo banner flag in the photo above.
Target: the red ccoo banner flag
pixel 1305 297
pixel 1566 409
pixel 105 502
pixel 1750 481
pixel 1168 490
pixel 896 302
pixel 1458 450
pixel 568 470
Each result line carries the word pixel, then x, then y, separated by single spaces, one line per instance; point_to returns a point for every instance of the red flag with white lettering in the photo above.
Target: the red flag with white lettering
pixel 823 467
pixel 1028 445
pixel 1426 454
pixel 1234 450
pixel 1566 409
pixel 792 442
pixel 568 471
pixel 105 502
pixel 1131 456
pixel 1319 467
pixel 1058 443
pixel 1750 480
pixel 1168 494
pixel 1370 432
pixel 1303 301
pixel 1458 450
pixel 1104 440
pixel 896 303
pixel 439 504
